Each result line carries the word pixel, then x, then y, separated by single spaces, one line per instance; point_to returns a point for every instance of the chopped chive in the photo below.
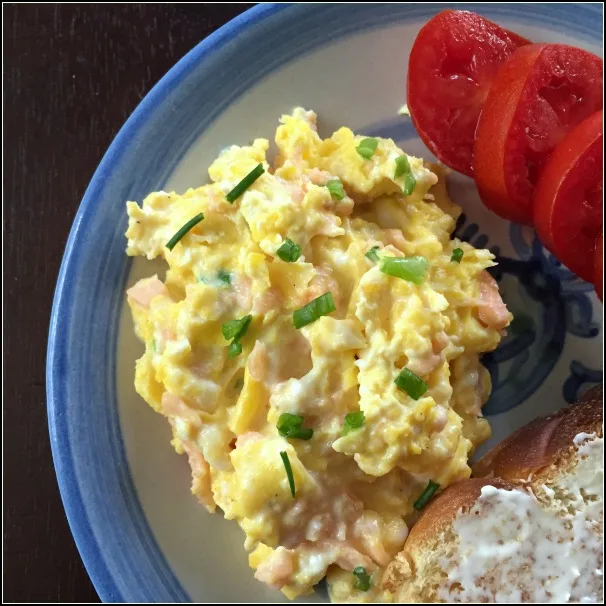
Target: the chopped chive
pixel 426 495
pixel 367 147
pixel 289 251
pixel 289 475
pixel 409 184
pixel 403 168
pixel 153 345
pixel 372 254
pixel 291 426
pixel 411 383
pixel 224 276
pixel 191 223
pixel 362 578
pixel 335 187
pixel 353 420
pixel 250 178
pixel 412 269
pixel 234 349
pixel 234 329
pixel 222 280
pixel 457 255
pixel 322 306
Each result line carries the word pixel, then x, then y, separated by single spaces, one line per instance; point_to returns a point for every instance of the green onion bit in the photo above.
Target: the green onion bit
pixel 403 169
pixel 411 383
pixel 250 178
pixel 289 251
pixel 335 187
pixel 353 420
pixel 362 578
pixel 322 306
pixel 367 147
pixel 191 223
pixel 457 255
pixel 372 254
pixel 289 474
pixel 224 276
pixel 426 495
pixel 235 329
pixel 291 426
pixel 234 349
pixel 412 269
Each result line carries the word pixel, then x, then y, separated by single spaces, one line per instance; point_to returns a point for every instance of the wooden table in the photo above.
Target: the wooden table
pixel 72 75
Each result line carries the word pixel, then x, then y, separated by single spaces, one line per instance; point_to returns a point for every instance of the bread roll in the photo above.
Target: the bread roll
pixel 544 445
pixel 529 530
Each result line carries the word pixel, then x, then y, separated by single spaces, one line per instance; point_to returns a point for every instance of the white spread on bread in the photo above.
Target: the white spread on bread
pixel 514 547
pixel 589 470
pixel 586 442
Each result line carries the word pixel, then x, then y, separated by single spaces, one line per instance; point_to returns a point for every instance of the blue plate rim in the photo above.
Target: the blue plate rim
pixel 77 518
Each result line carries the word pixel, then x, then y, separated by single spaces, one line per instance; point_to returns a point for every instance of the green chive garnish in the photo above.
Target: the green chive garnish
pixel 335 187
pixel 412 384
pixel 291 478
pixel 457 255
pixel 412 269
pixel 224 276
pixel 191 223
pixel 367 147
pixel 234 349
pixel 234 329
pixel 322 306
pixel 291 426
pixel 362 578
pixel 289 251
pixel 353 420
pixel 372 254
pixel 403 168
pixel 426 495
pixel 222 280
pixel 250 178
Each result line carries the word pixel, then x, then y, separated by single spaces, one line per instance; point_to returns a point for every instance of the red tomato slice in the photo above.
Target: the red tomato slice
pixel 451 66
pixel 567 204
pixel 539 95
pixel 599 267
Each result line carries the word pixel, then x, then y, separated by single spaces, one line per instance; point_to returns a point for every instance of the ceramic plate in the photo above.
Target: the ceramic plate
pixel 141 534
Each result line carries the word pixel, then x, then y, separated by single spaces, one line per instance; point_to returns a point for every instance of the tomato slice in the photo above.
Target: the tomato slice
pixel 451 66
pixel 567 204
pixel 599 267
pixel 539 95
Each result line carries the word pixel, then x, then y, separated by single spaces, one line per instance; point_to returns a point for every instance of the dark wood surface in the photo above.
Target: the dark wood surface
pixel 72 75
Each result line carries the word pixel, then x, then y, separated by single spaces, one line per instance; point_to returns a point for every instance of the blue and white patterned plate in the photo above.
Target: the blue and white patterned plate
pixel 140 533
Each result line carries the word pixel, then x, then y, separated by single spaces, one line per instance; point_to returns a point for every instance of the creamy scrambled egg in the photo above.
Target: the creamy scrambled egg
pixel 354 489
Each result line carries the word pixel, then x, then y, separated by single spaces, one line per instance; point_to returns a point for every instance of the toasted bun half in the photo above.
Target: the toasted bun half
pixel 545 444
pixel 414 575
pixel 529 530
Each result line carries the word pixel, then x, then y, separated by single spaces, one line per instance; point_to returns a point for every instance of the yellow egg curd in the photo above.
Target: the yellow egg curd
pixel 316 347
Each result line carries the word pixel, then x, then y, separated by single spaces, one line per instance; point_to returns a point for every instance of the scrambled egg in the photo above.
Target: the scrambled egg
pixel 354 489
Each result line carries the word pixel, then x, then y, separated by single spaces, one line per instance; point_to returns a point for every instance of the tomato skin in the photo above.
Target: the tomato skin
pixel 538 95
pixel 567 203
pixel 599 267
pixel 451 66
